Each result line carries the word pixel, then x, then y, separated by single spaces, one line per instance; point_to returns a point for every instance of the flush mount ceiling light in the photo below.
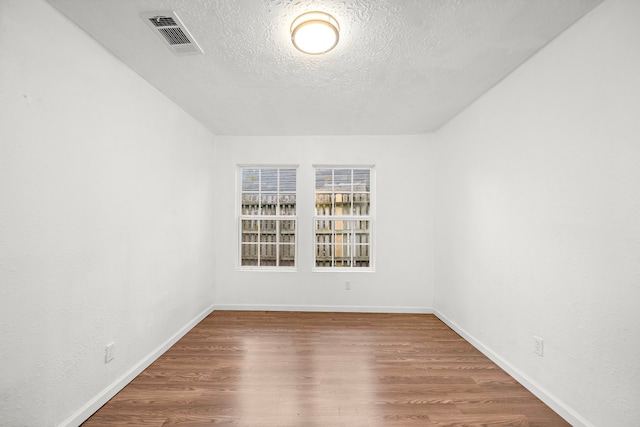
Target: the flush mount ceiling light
pixel 315 33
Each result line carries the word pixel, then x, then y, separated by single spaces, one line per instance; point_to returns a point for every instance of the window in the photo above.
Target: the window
pixel 343 222
pixel 268 218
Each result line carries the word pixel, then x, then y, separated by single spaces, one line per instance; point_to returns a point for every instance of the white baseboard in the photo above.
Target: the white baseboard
pixel 548 398
pixel 112 389
pixel 325 308
pixel 103 397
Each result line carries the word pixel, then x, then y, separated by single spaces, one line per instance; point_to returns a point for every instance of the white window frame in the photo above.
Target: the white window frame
pixel 370 217
pixel 259 217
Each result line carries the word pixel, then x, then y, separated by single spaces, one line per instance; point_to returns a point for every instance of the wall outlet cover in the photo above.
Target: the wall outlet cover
pixel 538 346
pixel 109 352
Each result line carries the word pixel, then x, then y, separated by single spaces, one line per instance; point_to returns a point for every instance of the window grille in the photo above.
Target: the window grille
pixel 343 221
pixel 268 217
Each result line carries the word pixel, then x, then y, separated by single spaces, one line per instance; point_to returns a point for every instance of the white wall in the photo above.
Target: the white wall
pixel 108 202
pixel 538 218
pixel 402 280
pixel 106 213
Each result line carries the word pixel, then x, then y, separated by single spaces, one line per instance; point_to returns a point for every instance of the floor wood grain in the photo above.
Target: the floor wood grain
pixel 254 369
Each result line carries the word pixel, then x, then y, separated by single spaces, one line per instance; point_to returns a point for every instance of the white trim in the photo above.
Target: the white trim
pixel 564 410
pixel 103 397
pixel 342 269
pixel 268 165
pixel 82 414
pixel 266 269
pixel 326 308
pixel 342 166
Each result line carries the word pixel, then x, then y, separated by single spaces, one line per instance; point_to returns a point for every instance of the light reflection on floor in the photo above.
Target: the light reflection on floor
pixel 277 383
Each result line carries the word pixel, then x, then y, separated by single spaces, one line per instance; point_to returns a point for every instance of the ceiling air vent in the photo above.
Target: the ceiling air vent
pixel 172 32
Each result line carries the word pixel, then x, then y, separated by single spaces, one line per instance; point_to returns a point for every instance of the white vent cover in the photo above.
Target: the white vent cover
pixel 172 32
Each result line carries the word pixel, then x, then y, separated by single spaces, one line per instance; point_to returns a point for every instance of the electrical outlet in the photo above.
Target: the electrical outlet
pixel 538 346
pixel 347 285
pixel 109 352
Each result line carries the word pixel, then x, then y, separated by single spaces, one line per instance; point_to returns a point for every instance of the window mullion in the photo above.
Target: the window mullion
pixel 258 238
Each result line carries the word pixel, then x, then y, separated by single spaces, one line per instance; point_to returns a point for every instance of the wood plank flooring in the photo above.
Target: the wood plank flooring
pixel 254 369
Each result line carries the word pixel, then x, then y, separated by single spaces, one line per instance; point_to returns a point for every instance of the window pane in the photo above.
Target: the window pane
pixel 287 204
pixel 267 227
pixel 249 225
pixel 268 203
pixel 342 245
pixel 249 247
pixel 287 255
pixel 342 180
pixel 361 204
pixel 362 263
pixel 287 180
pixel 267 254
pixel 324 252
pixel 324 204
pixel 269 180
pixel 287 231
pixel 250 179
pixel 324 180
pixel 249 261
pixel 340 262
pixel 361 180
pixel 249 252
pixel 323 226
pixel 249 204
pixel 343 204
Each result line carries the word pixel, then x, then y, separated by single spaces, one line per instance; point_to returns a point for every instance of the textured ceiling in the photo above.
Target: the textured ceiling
pixel 401 67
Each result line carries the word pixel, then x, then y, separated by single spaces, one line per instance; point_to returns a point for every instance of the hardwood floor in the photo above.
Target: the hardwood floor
pixel 279 369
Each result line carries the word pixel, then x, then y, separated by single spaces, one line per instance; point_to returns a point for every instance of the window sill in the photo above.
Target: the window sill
pixel 269 269
pixel 342 270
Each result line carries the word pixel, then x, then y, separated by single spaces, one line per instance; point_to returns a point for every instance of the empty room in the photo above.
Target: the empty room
pixel 320 213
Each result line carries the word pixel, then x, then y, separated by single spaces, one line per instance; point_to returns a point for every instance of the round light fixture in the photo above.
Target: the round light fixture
pixel 315 33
